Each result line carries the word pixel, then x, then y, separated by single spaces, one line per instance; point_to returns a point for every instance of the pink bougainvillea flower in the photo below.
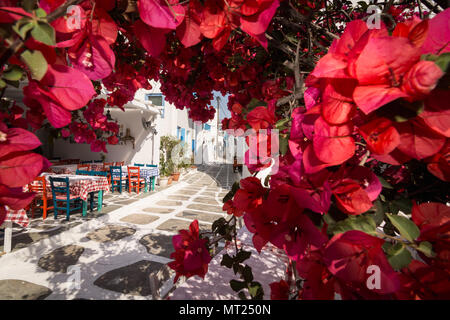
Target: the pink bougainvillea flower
pixel 98 146
pixel 380 135
pixel 12 14
pixel 189 31
pixel 21 167
pixel 15 198
pixel 161 14
pixel 337 105
pixel 257 23
pixel 438 34
pixel 351 198
pixel 333 144
pixel 348 256
pixel 152 39
pixel 439 164
pixel 62 90
pixel 16 139
pixel 93 56
pixel 191 254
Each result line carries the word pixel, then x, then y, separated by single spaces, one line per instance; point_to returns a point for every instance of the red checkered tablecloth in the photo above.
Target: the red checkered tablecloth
pixel 18 216
pixel 81 186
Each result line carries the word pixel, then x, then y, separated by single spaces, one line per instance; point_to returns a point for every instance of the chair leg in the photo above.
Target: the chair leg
pixel 44 209
pixel 68 210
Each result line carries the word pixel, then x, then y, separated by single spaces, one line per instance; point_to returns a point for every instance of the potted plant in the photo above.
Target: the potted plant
pixel 167 166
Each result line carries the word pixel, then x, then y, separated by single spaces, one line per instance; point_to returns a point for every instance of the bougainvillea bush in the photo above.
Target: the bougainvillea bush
pixel 360 101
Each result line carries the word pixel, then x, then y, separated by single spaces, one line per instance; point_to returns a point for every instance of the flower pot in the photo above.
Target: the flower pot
pixel 175 176
pixel 163 181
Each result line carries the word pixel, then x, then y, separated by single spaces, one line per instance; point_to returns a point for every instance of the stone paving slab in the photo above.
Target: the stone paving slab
pixel 110 246
pixel 158 210
pixel 158 244
pixel 60 259
pixel 205 200
pixel 13 289
pixel 139 218
pixel 110 233
pixel 133 279
pixel 201 216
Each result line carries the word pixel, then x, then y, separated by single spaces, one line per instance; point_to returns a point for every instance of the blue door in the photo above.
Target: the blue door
pixel 183 133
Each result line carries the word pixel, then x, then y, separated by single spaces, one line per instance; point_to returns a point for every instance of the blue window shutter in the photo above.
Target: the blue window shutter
pixel 183 132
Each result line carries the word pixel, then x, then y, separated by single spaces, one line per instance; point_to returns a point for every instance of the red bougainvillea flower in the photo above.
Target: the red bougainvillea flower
pixel 380 135
pixel 417 140
pixel 191 254
pixel 433 219
pixel 152 39
pixel 279 290
pixel 319 282
pixel 421 79
pixel 63 89
pixel 436 115
pixel 439 164
pixel 261 118
pixel 189 31
pixel 423 282
pixel 349 255
pixel 250 195
pixel 14 198
pixel 231 209
pixel 333 144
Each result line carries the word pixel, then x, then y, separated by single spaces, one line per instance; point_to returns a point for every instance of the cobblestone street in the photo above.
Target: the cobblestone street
pixel 112 255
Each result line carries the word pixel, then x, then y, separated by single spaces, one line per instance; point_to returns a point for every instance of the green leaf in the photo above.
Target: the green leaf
pixel 40 13
pixel 398 255
pixel 255 103
pixel 237 285
pixel 442 61
pixel 256 291
pixel 281 124
pixel 376 212
pixel 36 62
pixel 22 27
pixel 247 274
pixel 14 73
pixel 2 84
pixel 384 183
pixel 284 144
pixel 227 261
pixel 405 226
pixel 405 205
pixel 44 33
pixel 361 223
pixel 232 192
pixel 426 248
pixel 242 256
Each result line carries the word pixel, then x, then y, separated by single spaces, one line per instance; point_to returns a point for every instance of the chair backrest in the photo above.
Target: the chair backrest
pixel 84 172
pixel 85 167
pixel 62 186
pixel 106 165
pixel 151 165
pixel 134 172
pixel 139 164
pixel 115 171
pixel 38 185
pixel 119 163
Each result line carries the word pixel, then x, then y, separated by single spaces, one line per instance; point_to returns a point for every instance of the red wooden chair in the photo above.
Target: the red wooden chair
pixel 40 187
pixel 106 166
pixel 134 179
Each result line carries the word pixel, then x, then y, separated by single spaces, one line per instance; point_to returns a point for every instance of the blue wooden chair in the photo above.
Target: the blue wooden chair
pixel 61 194
pixel 139 165
pixel 100 193
pixel 116 178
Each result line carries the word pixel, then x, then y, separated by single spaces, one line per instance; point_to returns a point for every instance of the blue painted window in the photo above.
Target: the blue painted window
pixel 157 99
pixel 193 145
